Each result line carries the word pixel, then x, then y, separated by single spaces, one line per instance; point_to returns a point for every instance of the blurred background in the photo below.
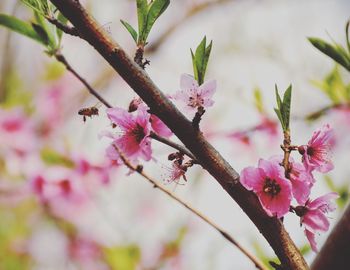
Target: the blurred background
pixel 98 216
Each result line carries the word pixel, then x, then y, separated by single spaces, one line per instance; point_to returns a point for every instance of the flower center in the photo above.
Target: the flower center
pixel 310 151
pixel 196 101
pixel 271 187
pixel 138 133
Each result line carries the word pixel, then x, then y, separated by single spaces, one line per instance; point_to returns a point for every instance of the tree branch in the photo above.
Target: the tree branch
pixel 176 146
pixel 60 58
pixel 335 252
pixel 225 234
pixel 65 28
pixel 161 106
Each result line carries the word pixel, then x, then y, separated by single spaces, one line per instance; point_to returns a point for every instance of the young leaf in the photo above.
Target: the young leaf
pixel 258 101
pixel 199 59
pixel 206 57
pixel 130 29
pixel 40 6
pixel 63 20
pixel 156 9
pixel 20 27
pixel 278 98
pixel 142 9
pixel 195 71
pixel 41 32
pixel 49 30
pixel 279 115
pixel 287 98
pixel 333 52
pixel 347 35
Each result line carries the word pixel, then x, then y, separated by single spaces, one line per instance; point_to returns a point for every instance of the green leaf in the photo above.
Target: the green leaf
pixel 157 7
pixel 142 10
pixel 206 57
pixel 51 157
pixel 122 258
pixel 347 35
pixel 41 32
pixel 332 51
pixel 287 98
pixel 20 27
pixel 62 20
pixel 279 115
pixel 195 70
pixel 130 29
pixel 40 6
pixel 278 98
pixel 49 29
pixel 199 59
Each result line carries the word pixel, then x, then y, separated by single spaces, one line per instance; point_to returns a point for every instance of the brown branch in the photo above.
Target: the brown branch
pixel 176 146
pixel 271 228
pixel 65 28
pixel 60 58
pixel 335 252
pixel 225 234
pixel 286 147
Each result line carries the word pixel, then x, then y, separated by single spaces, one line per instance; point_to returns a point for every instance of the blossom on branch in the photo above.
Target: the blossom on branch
pixel 134 139
pixel 313 216
pixel 194 96
pixel 270 185
pixel 316 154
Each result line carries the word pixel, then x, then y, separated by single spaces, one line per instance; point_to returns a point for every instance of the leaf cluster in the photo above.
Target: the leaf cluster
pixel 147 14
pixel 335 51
pixel 39 29
pixel 200 60
pixel 283 107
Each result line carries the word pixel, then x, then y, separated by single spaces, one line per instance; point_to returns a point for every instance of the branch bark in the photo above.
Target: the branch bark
pixel 272 228
pixel 335 252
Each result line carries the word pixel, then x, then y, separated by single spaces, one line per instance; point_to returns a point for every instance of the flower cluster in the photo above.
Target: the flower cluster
pixel 135 128
pixel 276 187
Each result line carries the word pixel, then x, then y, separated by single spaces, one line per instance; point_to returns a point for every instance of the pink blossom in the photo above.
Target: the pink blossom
pixel 134 140
pixel 194 96
pixel 176 172
pixel 316 154
pixel 267 125
pixel 313 215
pixel 157 125
pixel 17 132
pixel 301 180
pixel 270 185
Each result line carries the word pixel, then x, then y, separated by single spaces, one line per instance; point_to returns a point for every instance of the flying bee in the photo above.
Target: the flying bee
pixel 88 112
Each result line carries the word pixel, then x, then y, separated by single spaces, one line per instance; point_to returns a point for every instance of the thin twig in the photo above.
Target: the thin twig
pixel 286 147
pixel 65 28
pixel 60 58
pixel 225 234
pixel 172 144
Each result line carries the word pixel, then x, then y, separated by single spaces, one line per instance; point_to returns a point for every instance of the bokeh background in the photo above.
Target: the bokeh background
pixel 124 223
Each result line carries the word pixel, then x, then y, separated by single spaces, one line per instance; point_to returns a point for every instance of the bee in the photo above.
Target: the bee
pixel 88 112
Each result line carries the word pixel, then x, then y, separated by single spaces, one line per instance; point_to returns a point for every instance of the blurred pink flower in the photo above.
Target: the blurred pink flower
pixel 17 132
pixel 313 215
pixel 316 154
pixel 194 96
pixel 268 125
pixel 269 183
pixel 134 141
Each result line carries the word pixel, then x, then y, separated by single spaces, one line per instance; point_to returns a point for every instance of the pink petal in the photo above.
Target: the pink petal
pixel 159 127
pixel 311 238
pixel 120 117
pixel 252 178
pixel 208 89
pixel 187 82
pixel 315 220
pixel 324 200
